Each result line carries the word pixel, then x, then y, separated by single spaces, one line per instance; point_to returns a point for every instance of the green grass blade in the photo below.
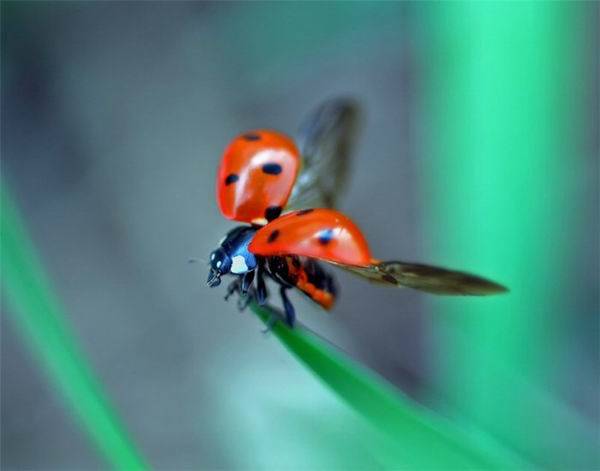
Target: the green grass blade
pixel 408 436
pixel 38 315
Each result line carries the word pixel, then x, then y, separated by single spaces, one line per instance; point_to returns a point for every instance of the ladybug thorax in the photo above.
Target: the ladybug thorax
pixel 232 255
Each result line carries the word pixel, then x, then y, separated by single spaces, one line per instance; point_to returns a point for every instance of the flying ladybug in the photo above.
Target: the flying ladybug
pixel 285 194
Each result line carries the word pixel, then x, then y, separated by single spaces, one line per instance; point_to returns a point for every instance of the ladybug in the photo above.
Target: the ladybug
pixel 264 173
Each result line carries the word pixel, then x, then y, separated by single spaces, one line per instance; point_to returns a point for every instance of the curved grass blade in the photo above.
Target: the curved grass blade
pixel 39 316
pixel 408 436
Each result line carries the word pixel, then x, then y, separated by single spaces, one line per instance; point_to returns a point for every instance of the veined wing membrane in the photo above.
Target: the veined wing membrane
pixel 427 278
pixel 325 140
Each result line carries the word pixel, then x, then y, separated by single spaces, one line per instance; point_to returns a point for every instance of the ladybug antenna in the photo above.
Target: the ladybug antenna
pixel 196 260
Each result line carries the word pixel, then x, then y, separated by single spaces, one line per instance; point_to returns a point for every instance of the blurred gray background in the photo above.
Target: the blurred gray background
pixel 115 116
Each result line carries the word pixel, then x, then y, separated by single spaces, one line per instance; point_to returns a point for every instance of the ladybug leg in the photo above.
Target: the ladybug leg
pixel 244 300
pixel 247 280
pixel 233 287
pixel 290 313
pixel 261 287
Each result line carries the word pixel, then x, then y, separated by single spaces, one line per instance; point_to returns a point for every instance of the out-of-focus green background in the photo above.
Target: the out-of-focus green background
pixel 479 150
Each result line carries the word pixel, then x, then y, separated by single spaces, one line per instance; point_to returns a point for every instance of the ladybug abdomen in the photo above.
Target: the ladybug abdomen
pixel 307 275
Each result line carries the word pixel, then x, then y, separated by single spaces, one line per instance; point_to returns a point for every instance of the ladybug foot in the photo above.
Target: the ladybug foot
pixel 234 287
pixel 244 300
pixel 270 323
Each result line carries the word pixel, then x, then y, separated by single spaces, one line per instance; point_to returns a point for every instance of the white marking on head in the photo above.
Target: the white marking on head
pixel 238 264
pixel 212 256
pixel 219 263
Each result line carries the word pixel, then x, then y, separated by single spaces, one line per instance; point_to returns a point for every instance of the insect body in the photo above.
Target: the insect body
pixel 289 271
pixel 255 182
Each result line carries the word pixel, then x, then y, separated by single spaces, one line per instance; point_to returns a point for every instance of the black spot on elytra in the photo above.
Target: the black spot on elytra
pixel 251 137
pixel 325 236
pixel 389 278
pixel 273 236
pixel 231 178
pixel 271 169
pixel 272 212
pixel 304 211
pixel 296 262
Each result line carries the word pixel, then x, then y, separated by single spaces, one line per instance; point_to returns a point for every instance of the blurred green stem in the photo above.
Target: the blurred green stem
pixel 39 316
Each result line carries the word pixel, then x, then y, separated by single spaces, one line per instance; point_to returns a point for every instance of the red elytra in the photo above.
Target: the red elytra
pixel 256 176
pixel 323 234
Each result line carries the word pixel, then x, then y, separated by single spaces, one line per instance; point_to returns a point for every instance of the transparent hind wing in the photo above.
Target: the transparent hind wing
pixel 326 140
pixel 427 278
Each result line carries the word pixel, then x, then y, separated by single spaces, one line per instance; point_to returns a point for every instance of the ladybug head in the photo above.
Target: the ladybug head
pixel 220 264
